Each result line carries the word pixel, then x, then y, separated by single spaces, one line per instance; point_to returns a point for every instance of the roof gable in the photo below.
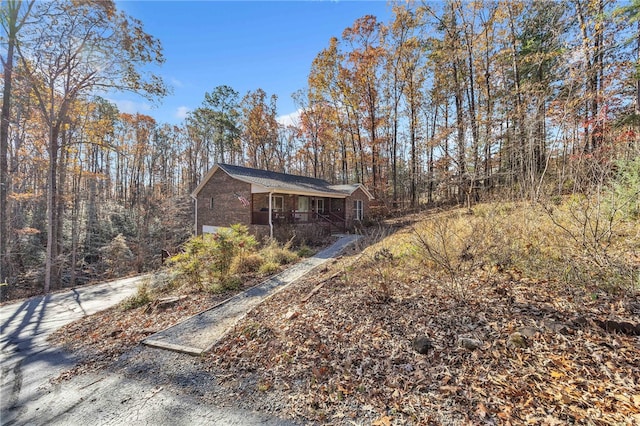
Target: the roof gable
pixel 351 188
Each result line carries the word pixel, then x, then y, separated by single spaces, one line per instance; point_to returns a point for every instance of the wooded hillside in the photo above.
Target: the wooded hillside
pixel 448 102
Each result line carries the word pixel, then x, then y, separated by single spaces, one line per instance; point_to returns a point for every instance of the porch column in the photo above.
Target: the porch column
pixel 270 217
pixel 295 209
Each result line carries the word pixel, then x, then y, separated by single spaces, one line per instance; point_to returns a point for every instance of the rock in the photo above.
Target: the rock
pixel 579 322
pixel 528 332
pixel 517 340
pixel 469 343
pixel 557 327
pixel 623 327
pixel 422 344
pixel 291 314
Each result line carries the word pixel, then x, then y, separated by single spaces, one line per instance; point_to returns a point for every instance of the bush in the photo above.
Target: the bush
pixel 454 245
pixel 305 251
pixel 246 263
pixel 273 252
pixel 231 282
pixel 141 298
pixel 117 256
pixel 207 259
pixel 269 268
pixel 626 188
pixel 216 262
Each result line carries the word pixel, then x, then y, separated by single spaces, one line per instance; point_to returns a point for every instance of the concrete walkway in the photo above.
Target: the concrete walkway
pixel 201 332
pixel 27 361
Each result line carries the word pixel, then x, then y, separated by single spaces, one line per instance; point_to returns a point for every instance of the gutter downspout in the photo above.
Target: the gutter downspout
pixel 195 225
pixel 270 217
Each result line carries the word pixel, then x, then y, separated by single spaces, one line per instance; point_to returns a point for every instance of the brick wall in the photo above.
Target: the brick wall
pixel 358 194
pixel 227 208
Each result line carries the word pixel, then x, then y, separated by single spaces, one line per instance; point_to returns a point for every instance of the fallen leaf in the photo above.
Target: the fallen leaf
pixel 382 421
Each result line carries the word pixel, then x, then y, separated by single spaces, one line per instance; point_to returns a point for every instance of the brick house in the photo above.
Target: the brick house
pixel 262 199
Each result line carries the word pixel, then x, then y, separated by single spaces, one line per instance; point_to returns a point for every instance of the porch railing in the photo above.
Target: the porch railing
pixel 293 217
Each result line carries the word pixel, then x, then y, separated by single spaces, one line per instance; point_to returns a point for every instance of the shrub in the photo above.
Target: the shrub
pixel 231 282
pixel 117 256
pixel 141 298
pixel 453 246
pixel 246 263
pixel 626 188
pixel 207 259
pixel 268 268
pixel 273 252
pixel 305 251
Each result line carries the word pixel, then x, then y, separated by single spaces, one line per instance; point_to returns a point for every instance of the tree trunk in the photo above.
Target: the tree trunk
pixel 460 145
pixel 52 209
pixel 4 136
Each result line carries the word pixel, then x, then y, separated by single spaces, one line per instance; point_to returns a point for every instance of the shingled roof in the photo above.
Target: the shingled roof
pixel 270 181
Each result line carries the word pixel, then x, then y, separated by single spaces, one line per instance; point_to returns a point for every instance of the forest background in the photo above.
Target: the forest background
pixel 452 102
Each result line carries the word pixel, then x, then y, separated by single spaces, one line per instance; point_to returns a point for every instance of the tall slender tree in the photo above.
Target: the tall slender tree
pixel 13 15
pixel 91 45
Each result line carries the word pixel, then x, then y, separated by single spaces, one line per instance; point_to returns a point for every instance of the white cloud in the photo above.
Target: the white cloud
pixel 176 83
pixel 291 119
pixel 182 111
pixel 130 107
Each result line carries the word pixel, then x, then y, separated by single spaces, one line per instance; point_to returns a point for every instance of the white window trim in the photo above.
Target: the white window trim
pixel 275 202
pixel 358 208
pixel 301 200
pixel 209 229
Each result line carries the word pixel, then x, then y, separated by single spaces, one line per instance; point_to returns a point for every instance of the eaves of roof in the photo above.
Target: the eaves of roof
pixel 267 181
pixel 350 189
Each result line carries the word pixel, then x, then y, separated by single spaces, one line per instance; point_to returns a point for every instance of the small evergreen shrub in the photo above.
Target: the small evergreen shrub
pixel 246 263
pixel 626 188
pixel 305 251
pixel 269 268
pixel 207 259
pixel 217 262
pixel 141 298
pixel 117 256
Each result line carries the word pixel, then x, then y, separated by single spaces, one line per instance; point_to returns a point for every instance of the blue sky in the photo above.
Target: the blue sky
pixel 243 44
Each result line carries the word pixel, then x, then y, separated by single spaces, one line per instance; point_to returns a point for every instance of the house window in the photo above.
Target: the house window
pixel 319 205
pixel 303 204
pixel 211 203
pixel 277 203
pixel 357 210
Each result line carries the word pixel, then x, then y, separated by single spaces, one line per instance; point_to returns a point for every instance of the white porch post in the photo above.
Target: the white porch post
pixel 195 226
pixel 270 217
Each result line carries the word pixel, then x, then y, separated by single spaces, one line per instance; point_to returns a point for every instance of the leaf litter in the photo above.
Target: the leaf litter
pixel 335 349
pixel 345 354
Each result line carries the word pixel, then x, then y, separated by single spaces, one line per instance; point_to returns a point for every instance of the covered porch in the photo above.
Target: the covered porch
pixel 297 209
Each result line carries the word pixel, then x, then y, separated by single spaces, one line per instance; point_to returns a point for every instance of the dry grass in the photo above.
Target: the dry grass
pixel 345 354
pixel 336 348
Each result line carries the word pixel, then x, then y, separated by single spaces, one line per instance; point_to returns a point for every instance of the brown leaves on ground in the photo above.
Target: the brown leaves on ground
pixel 100 339
pixel 346 353
pixel 337 349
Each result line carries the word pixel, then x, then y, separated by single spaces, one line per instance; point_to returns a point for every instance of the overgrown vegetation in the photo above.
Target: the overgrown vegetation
pixel 510 305
pixel 590 238
pixel 141 298
pixel 534 307
pixel 216 263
